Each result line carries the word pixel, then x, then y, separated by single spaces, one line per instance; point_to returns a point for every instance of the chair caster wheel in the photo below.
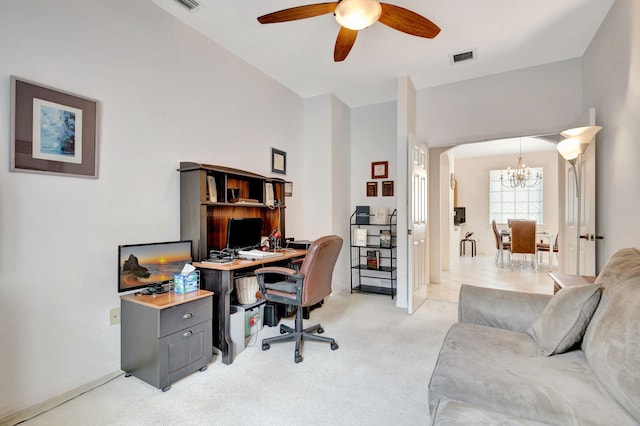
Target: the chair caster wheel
pixel 334 346
pixel 265 346
pixel 283 331
pixel 298 358
pixel 320 330
pixel 203 368
pixel 166 388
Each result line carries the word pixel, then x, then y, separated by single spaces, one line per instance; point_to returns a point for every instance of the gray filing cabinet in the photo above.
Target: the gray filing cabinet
pixel 166 337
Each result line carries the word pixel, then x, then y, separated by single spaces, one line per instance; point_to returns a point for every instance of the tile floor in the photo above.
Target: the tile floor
pixel 482 271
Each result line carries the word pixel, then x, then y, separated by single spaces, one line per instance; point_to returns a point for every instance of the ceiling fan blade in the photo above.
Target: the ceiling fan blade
pixel 407 21
pixel 344 43
pixel 300 12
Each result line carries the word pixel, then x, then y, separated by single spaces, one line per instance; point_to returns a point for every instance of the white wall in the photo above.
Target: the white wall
pixel 612 86
pixel 167 95
pixel 532 101
pixel 472 175
pixel 373 135
pixel 326 176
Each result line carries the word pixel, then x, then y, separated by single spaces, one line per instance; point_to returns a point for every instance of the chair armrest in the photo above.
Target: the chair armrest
pixel 288 290
pixel 511 310
pixel 275 270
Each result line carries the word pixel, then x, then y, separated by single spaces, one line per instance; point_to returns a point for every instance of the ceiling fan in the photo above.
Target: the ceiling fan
pixel 355 15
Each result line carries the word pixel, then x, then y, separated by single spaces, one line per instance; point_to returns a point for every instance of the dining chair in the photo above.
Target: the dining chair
pixel 506 245
pixel 544 247
pixel 523 239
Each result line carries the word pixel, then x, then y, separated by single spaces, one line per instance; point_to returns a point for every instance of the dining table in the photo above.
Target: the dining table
pixel 540 234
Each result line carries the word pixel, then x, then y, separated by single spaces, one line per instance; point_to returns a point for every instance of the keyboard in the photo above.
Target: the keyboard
pixel 257 254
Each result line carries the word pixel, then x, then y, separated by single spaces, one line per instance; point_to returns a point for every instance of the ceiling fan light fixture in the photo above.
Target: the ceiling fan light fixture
pixel 357 14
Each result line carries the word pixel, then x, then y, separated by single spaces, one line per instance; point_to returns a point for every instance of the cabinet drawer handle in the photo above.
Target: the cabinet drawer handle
pixel 187 333
pixel 187 315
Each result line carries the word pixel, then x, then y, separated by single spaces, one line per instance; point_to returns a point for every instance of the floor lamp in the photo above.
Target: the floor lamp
pixel 576 143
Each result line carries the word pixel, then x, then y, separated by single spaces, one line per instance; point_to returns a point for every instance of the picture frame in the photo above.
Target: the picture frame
pixel 387 188
pixel 288 189
pixel 372 189
pixel 53 131
pixel 379 169
pixel 278 161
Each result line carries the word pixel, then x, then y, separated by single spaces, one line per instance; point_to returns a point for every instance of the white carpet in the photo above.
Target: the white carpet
pixel 378 376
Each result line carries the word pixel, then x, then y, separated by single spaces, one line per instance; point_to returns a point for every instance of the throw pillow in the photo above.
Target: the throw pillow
pixel 565 318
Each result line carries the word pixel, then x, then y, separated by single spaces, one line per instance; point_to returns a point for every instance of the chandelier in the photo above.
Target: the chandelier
pixel 521 175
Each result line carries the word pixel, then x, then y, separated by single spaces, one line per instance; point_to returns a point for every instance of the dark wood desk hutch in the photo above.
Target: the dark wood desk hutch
pixel 210 195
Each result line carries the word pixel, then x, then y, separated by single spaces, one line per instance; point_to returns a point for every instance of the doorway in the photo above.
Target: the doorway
pixel 464 182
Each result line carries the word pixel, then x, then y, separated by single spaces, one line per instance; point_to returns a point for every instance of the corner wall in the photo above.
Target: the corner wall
pixel 612 86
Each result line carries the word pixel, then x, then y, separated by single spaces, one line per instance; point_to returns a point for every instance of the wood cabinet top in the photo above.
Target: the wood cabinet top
pixel 165 300
pixel 186 166
pixel 569 280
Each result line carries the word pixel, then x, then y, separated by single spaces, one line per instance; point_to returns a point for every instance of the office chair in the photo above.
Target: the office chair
pixel 302 289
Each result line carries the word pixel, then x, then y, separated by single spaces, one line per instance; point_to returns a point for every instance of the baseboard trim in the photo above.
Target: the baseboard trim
pixel 36 410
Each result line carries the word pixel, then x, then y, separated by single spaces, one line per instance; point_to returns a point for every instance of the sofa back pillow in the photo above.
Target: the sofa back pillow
pixel 565 318
pixel 612 340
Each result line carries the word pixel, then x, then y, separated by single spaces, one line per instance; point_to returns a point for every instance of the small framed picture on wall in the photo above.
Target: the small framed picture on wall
pixel 372 189
pixel 379 169
pixel 387 188
pixel 278 161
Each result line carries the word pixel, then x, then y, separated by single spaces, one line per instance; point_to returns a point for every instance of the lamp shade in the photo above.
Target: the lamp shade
pixel 584 134
pixel 357 14
pixel 569 148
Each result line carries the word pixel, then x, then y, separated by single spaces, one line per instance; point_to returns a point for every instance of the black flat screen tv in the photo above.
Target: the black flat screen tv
pixel 244 233
pixel 460 215
pixel 151 265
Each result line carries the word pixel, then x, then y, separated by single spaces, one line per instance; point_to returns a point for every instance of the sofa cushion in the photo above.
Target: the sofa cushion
pixel 456 413
pixel 565 318
pixel 502 370
pixel 612 340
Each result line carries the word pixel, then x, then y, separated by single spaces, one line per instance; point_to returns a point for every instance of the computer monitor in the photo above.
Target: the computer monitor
pixel 244 233
pixel 151 264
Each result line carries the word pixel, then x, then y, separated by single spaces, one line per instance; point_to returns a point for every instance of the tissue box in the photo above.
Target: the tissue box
pixel 185 283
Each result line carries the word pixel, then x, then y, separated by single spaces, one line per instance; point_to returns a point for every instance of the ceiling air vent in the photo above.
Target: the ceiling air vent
pixel 468 55
pixel 189 4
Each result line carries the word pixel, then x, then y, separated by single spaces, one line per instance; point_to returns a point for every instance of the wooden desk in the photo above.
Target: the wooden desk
pixel 561 281
pixel 219 279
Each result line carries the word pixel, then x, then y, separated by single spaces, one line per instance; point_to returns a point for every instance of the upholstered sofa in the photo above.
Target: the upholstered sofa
pixel 527 359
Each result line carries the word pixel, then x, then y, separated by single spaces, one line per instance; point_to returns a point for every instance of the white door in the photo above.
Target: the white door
pixel 417 267
pixel 580 258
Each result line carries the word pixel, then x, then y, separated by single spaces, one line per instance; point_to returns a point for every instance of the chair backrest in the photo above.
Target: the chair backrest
pixel 495 233
pixel 317 268
pixel 523 236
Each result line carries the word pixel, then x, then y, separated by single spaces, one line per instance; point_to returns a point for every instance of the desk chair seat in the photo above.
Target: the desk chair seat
pixel 303 288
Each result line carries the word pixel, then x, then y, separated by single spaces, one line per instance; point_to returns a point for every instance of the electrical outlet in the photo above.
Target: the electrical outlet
pixel 114 316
